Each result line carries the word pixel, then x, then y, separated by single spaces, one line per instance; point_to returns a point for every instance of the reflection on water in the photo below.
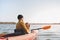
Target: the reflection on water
pixel 47 36
pixel 50 34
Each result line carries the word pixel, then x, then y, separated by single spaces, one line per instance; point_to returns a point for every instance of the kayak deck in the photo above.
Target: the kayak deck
pixel 30 36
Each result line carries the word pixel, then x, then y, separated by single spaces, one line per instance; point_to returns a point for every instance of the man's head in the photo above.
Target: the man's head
pixel 20 17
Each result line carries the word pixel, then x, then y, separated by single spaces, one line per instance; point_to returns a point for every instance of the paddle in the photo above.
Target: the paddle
pixel 44 28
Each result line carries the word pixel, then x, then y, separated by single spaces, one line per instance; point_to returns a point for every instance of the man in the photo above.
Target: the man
pixel 21 27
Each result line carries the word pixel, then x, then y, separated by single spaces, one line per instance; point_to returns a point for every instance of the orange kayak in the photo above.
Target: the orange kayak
pixel 30 36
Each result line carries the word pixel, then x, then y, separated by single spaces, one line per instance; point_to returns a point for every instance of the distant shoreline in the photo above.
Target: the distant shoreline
pixel 32 23
pixel 7 22
pixel 45 23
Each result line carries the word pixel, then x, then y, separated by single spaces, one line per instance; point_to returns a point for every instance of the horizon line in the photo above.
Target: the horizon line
pixel 32 23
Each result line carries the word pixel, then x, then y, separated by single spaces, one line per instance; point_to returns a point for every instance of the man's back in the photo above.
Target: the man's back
pixel 18 26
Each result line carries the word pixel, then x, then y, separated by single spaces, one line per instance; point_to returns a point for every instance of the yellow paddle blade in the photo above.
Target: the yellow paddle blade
pixel 46 27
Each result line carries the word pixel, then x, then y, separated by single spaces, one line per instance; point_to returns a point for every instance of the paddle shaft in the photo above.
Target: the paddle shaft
pixel 36 29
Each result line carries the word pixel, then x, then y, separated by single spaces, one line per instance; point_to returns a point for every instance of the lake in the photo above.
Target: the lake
pixel 51 34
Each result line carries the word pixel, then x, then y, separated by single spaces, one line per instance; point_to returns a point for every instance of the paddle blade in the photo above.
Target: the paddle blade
pixel 46 27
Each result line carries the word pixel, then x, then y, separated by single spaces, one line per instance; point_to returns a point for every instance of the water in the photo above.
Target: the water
pixel 7 28
pixel 50 34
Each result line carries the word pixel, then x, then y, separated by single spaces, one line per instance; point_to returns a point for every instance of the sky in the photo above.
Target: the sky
pixel 34 11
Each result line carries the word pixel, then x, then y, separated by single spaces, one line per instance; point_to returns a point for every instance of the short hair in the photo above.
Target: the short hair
pixel 20 16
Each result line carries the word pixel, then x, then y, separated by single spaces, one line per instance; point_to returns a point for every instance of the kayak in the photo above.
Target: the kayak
pixel 30 36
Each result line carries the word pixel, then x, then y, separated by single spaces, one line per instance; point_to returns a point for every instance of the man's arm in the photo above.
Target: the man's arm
pixel 24 27
pixel 27 25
